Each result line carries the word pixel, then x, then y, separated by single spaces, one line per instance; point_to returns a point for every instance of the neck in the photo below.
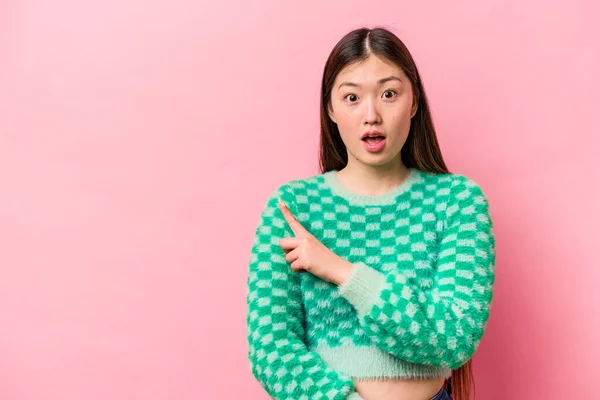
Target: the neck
pixel 372 180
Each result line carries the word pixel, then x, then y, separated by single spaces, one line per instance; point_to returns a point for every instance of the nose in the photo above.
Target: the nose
pixel 371 112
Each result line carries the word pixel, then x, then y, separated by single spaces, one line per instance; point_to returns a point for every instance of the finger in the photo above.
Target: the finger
pixel 292 256
pixel 295 267
pixel 289 243
pixel 294 224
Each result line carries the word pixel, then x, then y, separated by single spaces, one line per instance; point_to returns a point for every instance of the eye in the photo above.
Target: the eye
pixel 350 94
pixel 390 91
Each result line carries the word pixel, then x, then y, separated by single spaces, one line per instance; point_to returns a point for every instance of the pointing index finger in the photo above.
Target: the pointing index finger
pixel 297 228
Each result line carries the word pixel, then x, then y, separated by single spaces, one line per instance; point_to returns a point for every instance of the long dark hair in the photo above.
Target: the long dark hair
pixel 421 150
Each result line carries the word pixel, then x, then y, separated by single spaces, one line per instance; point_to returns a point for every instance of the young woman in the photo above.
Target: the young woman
pixel 373 279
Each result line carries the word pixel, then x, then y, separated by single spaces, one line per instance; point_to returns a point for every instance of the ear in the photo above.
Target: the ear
pixel 415 106
pixel 330 113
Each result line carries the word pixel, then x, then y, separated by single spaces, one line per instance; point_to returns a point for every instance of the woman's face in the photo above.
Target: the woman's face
pixel 372 95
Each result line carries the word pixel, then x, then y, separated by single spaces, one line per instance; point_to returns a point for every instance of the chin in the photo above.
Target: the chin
pixel 377 160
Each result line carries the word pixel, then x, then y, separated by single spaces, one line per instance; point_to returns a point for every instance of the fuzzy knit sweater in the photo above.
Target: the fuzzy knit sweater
pixel 415 305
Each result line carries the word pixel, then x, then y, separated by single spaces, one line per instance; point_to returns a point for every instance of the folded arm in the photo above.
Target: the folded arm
pixel 444 325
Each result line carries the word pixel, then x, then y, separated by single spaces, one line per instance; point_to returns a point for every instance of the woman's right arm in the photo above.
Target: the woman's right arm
pixel 279 358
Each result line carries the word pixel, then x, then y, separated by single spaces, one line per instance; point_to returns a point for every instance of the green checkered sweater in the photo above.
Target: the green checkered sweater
pixel 415 305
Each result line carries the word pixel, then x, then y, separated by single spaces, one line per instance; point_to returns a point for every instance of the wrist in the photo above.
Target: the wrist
pixel 344 272
pixel 363 287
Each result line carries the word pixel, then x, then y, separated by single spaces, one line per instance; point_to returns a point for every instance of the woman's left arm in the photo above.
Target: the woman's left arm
pixel 444 325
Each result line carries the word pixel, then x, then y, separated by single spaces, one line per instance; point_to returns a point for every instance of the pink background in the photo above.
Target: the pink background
pixel 139 140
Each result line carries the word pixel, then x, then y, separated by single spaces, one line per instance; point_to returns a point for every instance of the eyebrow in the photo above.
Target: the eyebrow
pixel 381 81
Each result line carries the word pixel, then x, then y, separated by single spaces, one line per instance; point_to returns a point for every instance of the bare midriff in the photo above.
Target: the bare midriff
pixel 398 389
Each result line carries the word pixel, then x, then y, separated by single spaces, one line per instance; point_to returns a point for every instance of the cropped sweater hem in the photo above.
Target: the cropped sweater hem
pixel 363 362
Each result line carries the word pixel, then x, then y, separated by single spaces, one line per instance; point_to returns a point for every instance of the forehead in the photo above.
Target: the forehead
pixel 370 71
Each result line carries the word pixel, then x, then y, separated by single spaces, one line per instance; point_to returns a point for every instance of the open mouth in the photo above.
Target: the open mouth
pixel 373 139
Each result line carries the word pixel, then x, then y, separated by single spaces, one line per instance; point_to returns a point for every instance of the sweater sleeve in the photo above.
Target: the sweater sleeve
pixel 442 325
pixel 279 358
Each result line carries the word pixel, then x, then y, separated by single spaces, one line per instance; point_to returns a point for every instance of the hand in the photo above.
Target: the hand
pixel 306 252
